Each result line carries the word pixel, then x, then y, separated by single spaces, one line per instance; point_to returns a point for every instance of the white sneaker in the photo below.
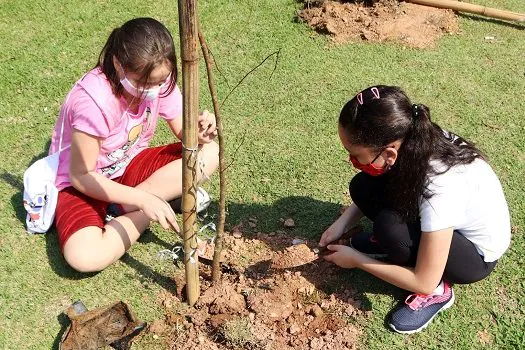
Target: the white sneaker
pixel 203 199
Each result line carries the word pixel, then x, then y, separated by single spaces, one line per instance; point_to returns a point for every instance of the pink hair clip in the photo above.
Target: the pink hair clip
pixel 360 98
pixel 375 91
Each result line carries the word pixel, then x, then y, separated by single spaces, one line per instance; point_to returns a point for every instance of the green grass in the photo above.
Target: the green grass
pixel 289 163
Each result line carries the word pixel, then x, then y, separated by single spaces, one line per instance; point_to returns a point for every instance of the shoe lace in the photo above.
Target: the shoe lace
pixel 416 301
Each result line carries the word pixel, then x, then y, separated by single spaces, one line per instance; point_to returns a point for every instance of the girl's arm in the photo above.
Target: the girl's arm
pixel 83 177
pixel 176 126
pixel 423 278
pixel 85 149
pixel 207 128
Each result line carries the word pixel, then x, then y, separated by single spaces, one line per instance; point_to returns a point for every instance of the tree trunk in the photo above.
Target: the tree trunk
pixel 190 93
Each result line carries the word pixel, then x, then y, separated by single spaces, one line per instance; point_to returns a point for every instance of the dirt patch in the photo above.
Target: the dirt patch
pixel 386 20
pixel 274 294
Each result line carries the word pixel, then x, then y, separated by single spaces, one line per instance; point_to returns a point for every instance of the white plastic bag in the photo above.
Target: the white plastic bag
pixel 41 194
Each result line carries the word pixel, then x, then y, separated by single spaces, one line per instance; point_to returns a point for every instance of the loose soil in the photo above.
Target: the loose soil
pixel 275 293
pixel 386 20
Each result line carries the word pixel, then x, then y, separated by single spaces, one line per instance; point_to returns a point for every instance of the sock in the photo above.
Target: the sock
pixel 440 289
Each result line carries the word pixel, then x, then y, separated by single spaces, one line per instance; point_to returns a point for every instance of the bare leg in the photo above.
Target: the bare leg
pixel 167 181
pixel 93 249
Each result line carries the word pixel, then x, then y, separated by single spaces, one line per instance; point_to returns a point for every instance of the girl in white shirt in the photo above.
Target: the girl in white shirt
pixel 438 210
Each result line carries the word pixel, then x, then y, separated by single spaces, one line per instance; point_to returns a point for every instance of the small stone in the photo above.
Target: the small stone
pixel 316 311
pixel 237 234
pixel 316 343
pixel 350 310
pixel 289 223
pixel 155 336
pixel 251 316
pixel 201 339
pixel 294 328
pixel 297 241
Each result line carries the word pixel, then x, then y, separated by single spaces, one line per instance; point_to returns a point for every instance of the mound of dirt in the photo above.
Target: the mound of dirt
pixel 293 256
pixel 272 295
pixel 386 20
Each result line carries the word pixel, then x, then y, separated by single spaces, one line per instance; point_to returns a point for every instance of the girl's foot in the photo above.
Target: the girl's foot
pixel 420 309
pixel 203 202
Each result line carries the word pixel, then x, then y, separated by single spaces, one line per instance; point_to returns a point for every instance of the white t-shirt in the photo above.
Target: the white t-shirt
pixel 470 199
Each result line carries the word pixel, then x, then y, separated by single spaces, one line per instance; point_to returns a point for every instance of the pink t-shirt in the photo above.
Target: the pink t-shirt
pixel 92 107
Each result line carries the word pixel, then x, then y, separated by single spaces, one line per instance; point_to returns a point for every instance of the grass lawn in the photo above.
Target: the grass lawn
pixel 289 163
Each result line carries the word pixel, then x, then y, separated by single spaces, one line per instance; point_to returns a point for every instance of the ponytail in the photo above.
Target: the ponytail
pixel 105 60
pixel 408 180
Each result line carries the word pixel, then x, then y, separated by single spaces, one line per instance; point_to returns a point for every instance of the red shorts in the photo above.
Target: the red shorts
pixel 75 210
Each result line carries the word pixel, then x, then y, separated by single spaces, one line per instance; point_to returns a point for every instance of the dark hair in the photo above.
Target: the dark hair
pixel 382 114
pixel 140 45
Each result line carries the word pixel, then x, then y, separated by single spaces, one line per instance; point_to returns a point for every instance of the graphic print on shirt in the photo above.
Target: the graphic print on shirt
pixel 121 156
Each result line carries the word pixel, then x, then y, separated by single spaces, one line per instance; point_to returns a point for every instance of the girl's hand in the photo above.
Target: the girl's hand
pixel 343 256
pixel 207 127
pixel 333 233
pixel 157 209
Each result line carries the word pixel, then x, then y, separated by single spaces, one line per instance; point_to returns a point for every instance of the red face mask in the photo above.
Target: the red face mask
pixel 369 168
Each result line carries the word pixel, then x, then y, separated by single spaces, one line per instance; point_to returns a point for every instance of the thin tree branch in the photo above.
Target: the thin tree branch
pixel 253 69
pixel 216 269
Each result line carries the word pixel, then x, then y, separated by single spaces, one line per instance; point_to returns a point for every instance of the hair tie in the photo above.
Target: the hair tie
pixel 415 110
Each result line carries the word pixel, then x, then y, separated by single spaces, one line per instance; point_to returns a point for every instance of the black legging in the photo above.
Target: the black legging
pixel 400 240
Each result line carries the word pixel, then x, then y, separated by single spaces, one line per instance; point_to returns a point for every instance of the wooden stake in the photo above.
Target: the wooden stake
pixel 190 106
pixel 471 8
pixel 216 269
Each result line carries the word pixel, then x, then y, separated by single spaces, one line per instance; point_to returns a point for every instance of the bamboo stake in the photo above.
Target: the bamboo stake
pixel 190 106
pixel 216 270
pixel 472 8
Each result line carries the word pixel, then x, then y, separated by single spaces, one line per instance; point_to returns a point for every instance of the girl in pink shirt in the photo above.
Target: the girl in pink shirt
pixel 104 129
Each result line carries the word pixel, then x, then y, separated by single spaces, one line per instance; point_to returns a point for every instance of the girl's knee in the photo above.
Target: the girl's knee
pixel 359 188
pixel 387 226
pixel 86 262
pixel 210 157
pixel 211 150
pixel 84 254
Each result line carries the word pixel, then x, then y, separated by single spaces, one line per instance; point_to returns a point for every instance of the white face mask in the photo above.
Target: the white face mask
pixel 146 94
